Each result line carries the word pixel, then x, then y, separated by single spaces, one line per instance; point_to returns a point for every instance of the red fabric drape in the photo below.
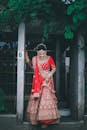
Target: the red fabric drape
pixel 37 81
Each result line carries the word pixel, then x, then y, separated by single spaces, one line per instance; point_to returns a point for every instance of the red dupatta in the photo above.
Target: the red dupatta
pixel 37 81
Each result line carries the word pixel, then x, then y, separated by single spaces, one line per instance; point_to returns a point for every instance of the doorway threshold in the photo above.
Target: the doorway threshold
pixel 65 112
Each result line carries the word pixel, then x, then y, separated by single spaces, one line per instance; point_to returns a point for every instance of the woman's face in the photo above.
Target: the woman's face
pixel 41 53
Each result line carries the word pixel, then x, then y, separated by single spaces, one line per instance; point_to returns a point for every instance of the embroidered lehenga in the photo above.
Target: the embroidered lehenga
pixel 42 105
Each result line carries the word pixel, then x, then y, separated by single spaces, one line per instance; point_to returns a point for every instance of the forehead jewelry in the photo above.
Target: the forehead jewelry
pixel 41 44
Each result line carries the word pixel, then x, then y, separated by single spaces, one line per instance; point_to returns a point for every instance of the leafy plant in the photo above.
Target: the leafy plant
pixel 51 12
pixel 77 14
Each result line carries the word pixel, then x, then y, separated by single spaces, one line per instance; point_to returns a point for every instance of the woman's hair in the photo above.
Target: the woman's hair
pixel 41 46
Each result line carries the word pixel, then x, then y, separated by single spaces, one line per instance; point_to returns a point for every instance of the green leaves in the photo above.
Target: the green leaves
pixel 70 10
pixel 76 15
pixel 17 10
pixel 75 7
pixel 33 14
pixel 68 33
pixel 51 12
pixel 79 17
pixel 12 3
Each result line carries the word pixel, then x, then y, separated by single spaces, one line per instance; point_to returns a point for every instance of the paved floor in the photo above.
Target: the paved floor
pixel 10 123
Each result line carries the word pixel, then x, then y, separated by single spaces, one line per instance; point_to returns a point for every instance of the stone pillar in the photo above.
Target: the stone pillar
pixel 77 85
pixel 20 72
pixel 81 76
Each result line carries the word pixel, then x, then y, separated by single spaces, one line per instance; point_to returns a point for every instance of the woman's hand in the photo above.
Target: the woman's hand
pixel 48 76
pixel 27 57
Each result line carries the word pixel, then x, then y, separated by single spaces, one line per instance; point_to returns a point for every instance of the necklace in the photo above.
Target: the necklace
pixel 42 59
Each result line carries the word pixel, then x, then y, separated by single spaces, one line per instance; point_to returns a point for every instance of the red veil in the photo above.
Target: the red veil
pixel 37 81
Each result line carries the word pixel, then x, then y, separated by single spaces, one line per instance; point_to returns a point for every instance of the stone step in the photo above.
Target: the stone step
pixel 65 112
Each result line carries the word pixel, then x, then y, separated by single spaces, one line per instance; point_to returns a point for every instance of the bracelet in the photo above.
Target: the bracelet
pixel 50 74
pixel 29 63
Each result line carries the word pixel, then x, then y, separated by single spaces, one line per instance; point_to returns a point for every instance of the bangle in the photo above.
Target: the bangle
pixel 50 74
pixel 29 63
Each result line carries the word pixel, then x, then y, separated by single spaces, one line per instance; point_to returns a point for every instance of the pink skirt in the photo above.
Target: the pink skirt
pixel 43 109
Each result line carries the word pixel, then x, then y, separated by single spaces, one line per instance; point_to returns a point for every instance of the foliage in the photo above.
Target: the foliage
pixel 15 11
pixel 51 12
pixel 77 15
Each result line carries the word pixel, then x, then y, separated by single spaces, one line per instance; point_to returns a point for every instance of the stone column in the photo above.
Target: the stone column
pixel 20 72
pixel 77 85
pixel 57 68
pixel 81 76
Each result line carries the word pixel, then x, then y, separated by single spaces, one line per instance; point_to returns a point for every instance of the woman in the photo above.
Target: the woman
pixel 42 105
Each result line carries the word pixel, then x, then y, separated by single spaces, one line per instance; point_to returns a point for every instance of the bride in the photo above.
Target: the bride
pixel 42 104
